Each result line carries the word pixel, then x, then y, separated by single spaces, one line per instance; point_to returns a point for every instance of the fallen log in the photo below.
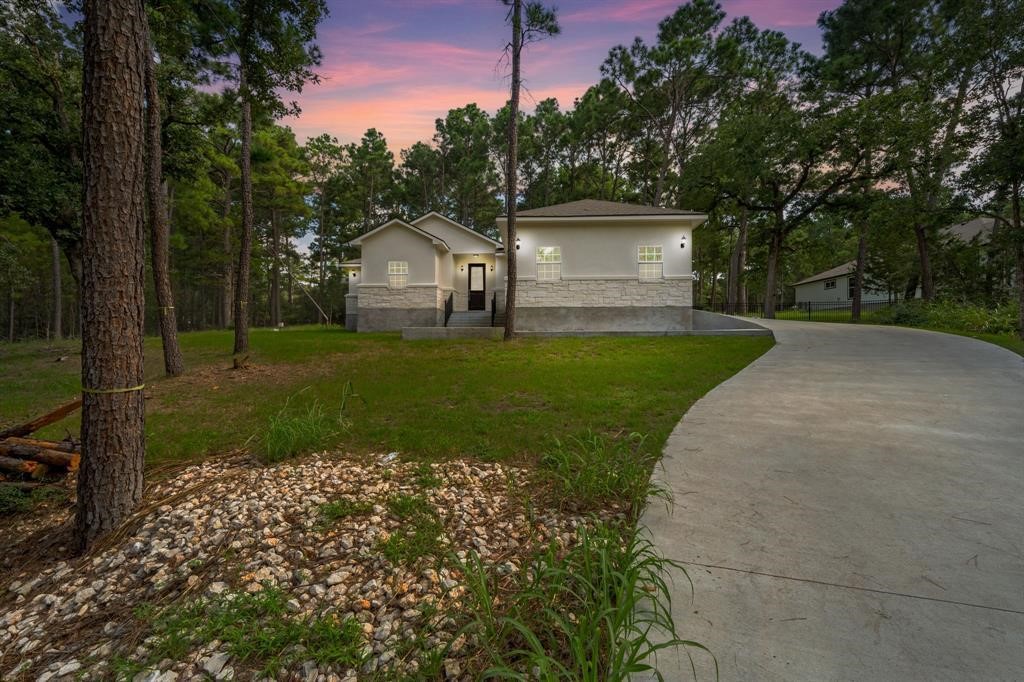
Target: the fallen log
pixel 39 422
pixel 60 446
pixel 24 486
pixel 54 458
pixel 23 466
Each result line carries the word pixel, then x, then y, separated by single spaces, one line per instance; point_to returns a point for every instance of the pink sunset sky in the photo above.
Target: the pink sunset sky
pixel 397 65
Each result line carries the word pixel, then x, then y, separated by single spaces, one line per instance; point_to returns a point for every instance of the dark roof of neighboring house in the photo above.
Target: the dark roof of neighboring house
pixel 837 271
pixel 594 208
pixel 979 228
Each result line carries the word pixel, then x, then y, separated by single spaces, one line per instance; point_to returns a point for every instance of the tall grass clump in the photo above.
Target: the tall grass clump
pixel 591 470
pixel 598 614
pixel 294 431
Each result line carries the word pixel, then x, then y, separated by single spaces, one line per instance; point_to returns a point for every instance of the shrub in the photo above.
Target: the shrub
pixel 951 315
pixel 592 469
pixel 13 500
pixel 593 615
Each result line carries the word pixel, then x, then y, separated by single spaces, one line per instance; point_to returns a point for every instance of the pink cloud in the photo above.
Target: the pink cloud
pixel 780 14
pixel 408 116
pixel 625 11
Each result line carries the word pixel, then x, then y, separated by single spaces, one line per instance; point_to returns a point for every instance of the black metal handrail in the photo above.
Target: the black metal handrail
pixel 449 306
pixel 494 306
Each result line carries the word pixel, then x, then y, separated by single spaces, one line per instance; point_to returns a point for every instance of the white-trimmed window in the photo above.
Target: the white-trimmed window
pixel 549 263
pixel 830 284
pixel 851 286
pixel 398 274
pixel 649 262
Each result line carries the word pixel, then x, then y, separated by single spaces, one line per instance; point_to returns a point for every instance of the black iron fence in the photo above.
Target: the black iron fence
pixel 813 311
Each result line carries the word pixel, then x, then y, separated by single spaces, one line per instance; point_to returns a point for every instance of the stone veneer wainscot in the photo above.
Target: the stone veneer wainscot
pixel 594 293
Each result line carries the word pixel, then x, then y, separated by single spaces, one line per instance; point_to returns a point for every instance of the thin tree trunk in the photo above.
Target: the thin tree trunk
pixel 323 258
pixel 1018 236
pixel 924 259
pixel 58 298
pixel 245 248
pixel 275 271
pixel 229 266
pixel 159 226
pixel 858 278
pixel 771 278
pixel 113 254
pixel 511 179
pixel 737 264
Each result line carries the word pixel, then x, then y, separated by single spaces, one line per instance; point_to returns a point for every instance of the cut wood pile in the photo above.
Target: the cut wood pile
pixel 24 457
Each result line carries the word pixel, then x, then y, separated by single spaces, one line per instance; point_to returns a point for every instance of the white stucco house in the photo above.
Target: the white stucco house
pixel 836 285
pixel 583 267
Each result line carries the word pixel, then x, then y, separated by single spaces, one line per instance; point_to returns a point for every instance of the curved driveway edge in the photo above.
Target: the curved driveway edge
pixel 851 507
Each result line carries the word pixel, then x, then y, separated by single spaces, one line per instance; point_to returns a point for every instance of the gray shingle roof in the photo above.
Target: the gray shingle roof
pixel 965 232
pixel 595 208
pixel 837 271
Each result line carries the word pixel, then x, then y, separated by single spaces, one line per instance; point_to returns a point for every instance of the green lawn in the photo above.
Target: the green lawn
pixel 426 399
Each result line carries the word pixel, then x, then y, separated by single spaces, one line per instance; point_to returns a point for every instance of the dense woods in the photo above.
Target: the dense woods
pixel 908 120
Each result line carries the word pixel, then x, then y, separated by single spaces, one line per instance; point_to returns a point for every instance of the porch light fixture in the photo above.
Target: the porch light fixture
pixel 462 268
pixel 518 240
pixel 682 242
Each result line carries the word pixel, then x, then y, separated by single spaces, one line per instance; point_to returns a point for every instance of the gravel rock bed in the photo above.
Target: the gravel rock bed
pixel 228 527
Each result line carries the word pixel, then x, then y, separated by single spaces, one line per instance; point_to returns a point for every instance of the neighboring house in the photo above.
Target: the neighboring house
pixel 836 285
pixel 584 266
pixel 978 230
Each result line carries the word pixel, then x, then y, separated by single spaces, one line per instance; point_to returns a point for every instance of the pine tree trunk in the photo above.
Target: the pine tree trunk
pixel 113 254
pixel 858 278
pixel 275 271
pixel 159 226
pixel 229 266
pixel 772 276
pixel 322 279
pixel 58 298
pixel 737 264
pixel 245 247
pixel 511 179
pixel 924 260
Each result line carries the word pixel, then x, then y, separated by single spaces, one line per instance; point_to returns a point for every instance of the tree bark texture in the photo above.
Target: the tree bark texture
pixel 511 177
pixel 159 226
pixel 245 242
pixel 113 254
pixel 58 298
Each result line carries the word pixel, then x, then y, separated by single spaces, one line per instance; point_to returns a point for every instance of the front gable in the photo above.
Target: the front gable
pixel 460 238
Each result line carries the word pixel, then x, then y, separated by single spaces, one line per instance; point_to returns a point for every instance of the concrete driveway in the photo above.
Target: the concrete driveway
pixel 851 507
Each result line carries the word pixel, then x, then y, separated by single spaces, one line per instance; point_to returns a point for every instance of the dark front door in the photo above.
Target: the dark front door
pixel 477 297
